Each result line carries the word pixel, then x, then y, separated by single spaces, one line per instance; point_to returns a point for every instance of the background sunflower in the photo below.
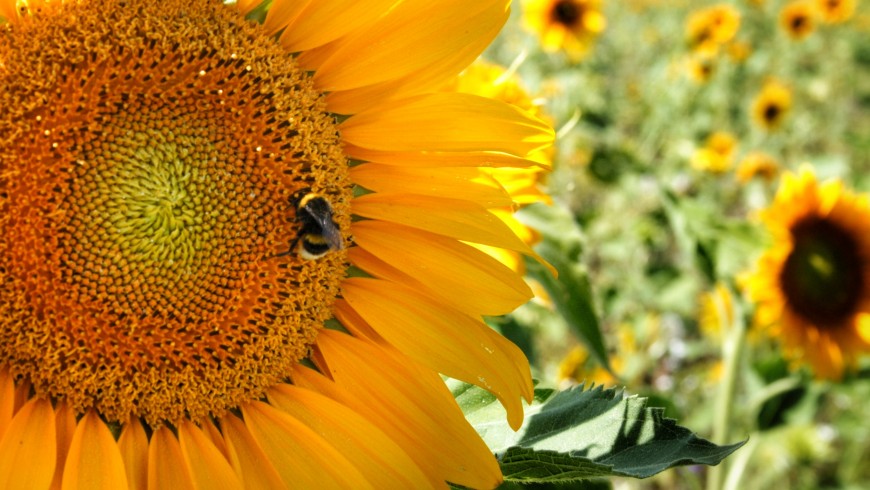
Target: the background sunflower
pixel 772 105
pixel 811 285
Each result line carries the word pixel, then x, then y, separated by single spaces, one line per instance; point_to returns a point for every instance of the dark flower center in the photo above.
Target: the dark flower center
pixel 771 113
pixel 823 277
pixel 798 22
pixel 566 12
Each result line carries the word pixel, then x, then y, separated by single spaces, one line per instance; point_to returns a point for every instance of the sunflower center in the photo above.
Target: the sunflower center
pixel 821 278
pixel 566 12
pixel 148 153
pixel 798 22
pixel 771 113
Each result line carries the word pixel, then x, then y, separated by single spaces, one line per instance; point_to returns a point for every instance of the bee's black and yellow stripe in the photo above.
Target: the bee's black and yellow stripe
pixel 318 234
pixel 313 246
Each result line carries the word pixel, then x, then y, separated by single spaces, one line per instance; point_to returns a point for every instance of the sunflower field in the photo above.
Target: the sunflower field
pixel 410 244
pixel 709 217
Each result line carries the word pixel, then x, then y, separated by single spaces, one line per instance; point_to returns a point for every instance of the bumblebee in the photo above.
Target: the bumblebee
pixel 318 234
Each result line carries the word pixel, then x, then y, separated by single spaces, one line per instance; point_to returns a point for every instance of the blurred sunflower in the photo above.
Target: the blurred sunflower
pixel 701 66
pixel 771 105
pixel 575 368
pixel 156 333
pixel 836 11
pixel 738 51
pixel 717 154
pixel 716 311
pixel 709 28
pixel 568 25
pixel 796 19
pixel 757 164
pixel 812 286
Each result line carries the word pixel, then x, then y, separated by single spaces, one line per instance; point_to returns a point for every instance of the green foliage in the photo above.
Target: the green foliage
pixel 570 292
pixel 579 434
pixel 645 240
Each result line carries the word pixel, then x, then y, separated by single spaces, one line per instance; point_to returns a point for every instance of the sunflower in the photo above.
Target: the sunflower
pixel 717 154
pixel 575 368
pixel 164 165
pixel 701 66
pixel 812 286
pixel 796 19
pixel 738 51
pixel 711 27
pixel 836 11
pixel 716 311
pixel 757 164
pixel 568 25
pixel 771 105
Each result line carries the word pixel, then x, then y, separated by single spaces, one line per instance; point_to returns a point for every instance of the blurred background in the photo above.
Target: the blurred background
pixel 676 123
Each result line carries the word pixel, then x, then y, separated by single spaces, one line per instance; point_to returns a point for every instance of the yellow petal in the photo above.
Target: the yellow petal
pixel 247 458
pixel 350 319
pixel 431 79
pixel 65 425
pixel 8 10
pixel 133 445
pixel 302 457
pixel 409 402
pixel 444 339
pixel 439 158
pixel 22 394
pixel 214 435
pixel 465 183
pixel 455 218
pixel 208 468
pixel 413 78
pixel 28 450
pixel 467 277
pixel 447 121
pixel 325 21
pixel 283 12
pixel 166 466
pixel 400 42
pixel 464 220
pixel 378 457
pixel 246 6
pixel 94 460
pixel 7 400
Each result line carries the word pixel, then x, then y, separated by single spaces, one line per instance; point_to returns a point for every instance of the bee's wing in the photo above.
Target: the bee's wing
pixel 332 235
pixel 321 213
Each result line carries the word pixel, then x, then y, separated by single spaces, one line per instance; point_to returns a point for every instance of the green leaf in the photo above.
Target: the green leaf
pixel 578 434
pixel 571 292
pixel 529 465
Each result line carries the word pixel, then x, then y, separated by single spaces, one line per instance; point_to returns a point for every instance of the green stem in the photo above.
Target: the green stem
pixel 732 351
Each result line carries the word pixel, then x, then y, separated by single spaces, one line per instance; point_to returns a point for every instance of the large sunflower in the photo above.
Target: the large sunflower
pixel 158 161
pixel 812 287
